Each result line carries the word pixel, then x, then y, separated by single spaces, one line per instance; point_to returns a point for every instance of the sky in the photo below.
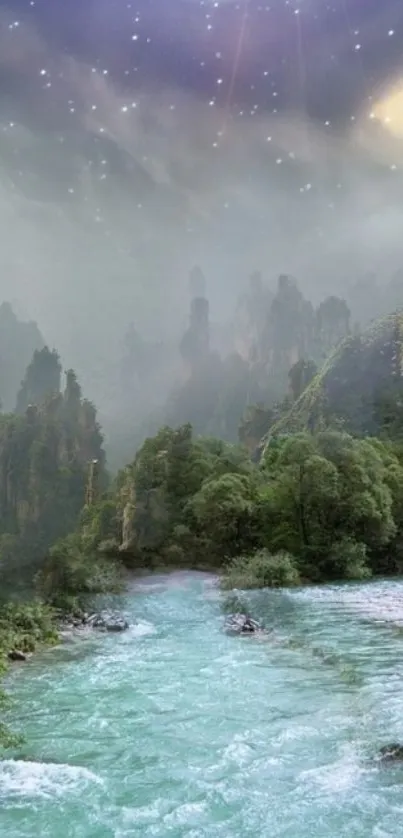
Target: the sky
pixel 140 138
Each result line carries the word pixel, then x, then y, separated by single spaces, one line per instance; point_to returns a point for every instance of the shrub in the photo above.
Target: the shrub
pixel 69 573
pixel 174 556
pixel 261 570
pixel 348 560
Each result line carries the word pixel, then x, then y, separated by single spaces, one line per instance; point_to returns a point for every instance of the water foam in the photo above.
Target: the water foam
pixel 20 778
pixel 382 602
pixel 336 777
pixel 140 628
pixel 197 734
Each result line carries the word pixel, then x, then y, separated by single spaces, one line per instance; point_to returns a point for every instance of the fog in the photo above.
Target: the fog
pixel 113 187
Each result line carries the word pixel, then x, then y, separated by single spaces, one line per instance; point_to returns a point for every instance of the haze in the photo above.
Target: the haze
pixel 138 140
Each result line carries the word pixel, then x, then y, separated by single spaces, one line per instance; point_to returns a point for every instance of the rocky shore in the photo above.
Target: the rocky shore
pixel 70 625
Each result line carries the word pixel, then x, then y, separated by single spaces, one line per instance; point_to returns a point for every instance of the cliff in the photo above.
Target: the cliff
pixel 351 383
pixel 45 456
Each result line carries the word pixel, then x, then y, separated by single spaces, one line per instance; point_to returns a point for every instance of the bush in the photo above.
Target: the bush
pixel 174 556
pixel 348 560
pixel 69 573
pixel 26 625
pixel 261 570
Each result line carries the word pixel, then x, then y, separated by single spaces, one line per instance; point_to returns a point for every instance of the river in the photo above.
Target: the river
pixel 175 729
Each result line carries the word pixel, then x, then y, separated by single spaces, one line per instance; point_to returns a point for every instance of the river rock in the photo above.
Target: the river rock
pixel 118 625
pixel 241 624
pixel 391 753
pixel 107 622
pixel 16 655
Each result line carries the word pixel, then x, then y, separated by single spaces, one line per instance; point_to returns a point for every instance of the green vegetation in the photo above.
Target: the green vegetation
pixel 261 570
pixel 81 564
pixel 331 501
pixel 359 383
pixel 319 499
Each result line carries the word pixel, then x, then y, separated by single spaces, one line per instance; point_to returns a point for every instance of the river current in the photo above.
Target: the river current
pixel 174 729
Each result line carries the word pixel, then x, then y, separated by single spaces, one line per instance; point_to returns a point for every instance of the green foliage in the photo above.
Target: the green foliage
pixel 329 493
pixel 24 626
pixel 388 410
pixel 359 383
pixel 84 562
pixel 349 559
pixel 332 501
pixel 224 508
pixel 168 472
pixel 261 570
pixel 73 570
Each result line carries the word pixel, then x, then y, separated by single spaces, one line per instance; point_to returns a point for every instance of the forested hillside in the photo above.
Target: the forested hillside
pixel 359 386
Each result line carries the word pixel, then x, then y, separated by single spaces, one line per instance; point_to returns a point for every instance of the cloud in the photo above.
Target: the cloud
pixel 108 197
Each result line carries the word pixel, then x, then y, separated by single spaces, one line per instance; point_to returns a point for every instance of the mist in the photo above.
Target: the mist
pixel 116 178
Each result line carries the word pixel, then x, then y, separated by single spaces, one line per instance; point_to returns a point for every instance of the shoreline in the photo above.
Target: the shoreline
pixel 78 625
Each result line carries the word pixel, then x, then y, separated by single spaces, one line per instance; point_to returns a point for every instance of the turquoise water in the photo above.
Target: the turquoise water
pixel 175 729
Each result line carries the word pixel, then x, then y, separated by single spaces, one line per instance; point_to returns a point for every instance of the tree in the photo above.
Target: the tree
pixel 388 410
pixel 326 491
pixel 167 470
pixel 224 508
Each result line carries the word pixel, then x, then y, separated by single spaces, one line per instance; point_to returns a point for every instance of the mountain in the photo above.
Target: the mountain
pixel 18 342
pixel 354 385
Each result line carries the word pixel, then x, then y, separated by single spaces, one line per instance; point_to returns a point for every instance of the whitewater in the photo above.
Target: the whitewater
pixel 174 729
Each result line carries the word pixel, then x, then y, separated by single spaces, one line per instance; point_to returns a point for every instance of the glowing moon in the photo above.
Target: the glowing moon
pixel 389 110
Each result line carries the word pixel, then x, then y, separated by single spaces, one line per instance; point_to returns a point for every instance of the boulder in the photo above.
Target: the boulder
pixel 90 619
pixel 391 753
pixel 118 625
pixel 16 655
pixel 107 622
pixel 241 624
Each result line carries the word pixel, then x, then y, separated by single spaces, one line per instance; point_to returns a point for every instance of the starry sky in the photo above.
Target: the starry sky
pixel 139 138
